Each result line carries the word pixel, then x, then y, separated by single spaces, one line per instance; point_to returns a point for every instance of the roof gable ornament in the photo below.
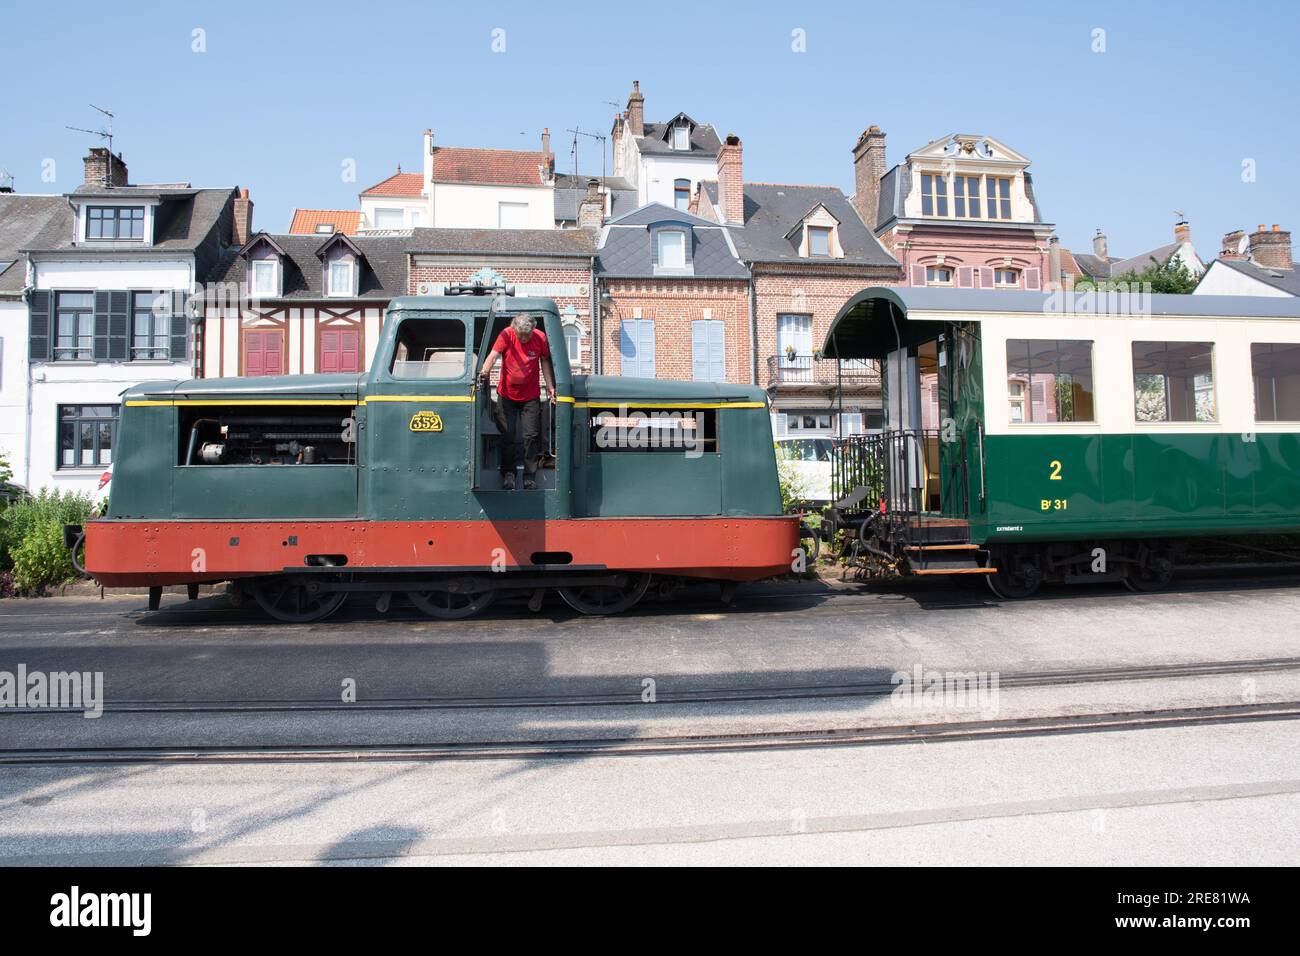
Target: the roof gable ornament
pixel 487 276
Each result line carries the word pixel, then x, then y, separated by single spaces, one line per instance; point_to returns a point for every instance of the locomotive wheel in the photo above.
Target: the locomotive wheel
pixel 606 599
pixel 1015 581
pixel 1153 578
pixel 451 605
pixel 295 601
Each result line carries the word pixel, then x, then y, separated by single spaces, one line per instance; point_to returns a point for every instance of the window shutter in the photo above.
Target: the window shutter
pixel 986 277
pixel 717 351
pixel 41 330
pixel 349 352
pixel 918 275
pixel 119 325
pixel 699 351
pixel 627 346
pixel 654 248
pixel 180 328
pixel 329 352
pixel 1031 279
pixel 965 277
pixel 646 348
pixel 100 352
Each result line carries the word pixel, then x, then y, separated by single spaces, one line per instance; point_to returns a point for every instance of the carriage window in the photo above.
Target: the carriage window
pixel 430 348
pixel 1174 381
pixel 1049 380
pixel 1277 381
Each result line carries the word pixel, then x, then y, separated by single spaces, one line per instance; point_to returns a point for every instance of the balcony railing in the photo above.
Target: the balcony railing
pixel 786 369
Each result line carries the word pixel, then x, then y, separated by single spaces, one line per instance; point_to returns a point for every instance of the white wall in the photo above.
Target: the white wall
pixel 1225 280
pixel 462 206
pixel 144 274
pixel 415 212
pixel 13 384
pixel 659 172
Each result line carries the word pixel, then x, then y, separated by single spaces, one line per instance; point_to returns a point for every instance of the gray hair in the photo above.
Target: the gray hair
pixel 523 321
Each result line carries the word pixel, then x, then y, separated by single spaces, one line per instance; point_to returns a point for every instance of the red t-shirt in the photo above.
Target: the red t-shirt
pixel 520 364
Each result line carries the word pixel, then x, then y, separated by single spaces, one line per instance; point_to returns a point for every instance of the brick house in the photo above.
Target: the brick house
pixel 807 251
pixel 555 264
pixel 958 212
pixel 674 297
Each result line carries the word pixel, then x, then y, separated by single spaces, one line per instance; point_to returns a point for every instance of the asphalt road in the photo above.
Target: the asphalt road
pixel 205 674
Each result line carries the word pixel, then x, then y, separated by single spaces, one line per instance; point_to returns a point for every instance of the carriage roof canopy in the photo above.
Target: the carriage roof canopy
pixel 878 320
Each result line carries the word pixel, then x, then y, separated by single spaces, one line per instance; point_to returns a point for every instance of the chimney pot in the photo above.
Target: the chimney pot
pixel 636 110
pixel 1271 249
pixel 1099 246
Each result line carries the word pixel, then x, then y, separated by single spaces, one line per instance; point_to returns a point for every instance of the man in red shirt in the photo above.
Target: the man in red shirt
pixel 523 351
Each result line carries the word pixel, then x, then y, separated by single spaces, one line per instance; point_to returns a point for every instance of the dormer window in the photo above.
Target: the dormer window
pixel 819 240
pixel 672 249
pixel 682 137
pixel 265 274
pixel 341 281
pixel 115 222
pixel 325 229
pixel 998 191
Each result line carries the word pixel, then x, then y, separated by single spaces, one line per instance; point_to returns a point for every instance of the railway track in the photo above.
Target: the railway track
pixel 678 744
pixel 1043 678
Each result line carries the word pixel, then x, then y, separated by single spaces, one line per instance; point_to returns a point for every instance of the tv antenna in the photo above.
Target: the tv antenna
pixel 574 150
pixel 104 134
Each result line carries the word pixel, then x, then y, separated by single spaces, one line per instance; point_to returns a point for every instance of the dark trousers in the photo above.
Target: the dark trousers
pixel 523 435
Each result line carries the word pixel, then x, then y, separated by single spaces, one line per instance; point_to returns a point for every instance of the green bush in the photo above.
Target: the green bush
pixel 31 538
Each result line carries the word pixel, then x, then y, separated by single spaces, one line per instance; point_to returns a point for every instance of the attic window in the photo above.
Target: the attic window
pixel 325 228
pixel 342 272
pixel 115 222
pixel 682 136
pixel 819 240
pixel 265 277
pixel 672 249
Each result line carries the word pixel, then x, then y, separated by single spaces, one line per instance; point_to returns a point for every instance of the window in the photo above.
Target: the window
pixel 1277 381
pixel 682 136
pixel 672 249
pixel 512 215
pixel 340 350
pixel 74 327
pixel 1174 381
pixel 151 326
pixel 1049 380
pixel 708 351
pixel 819 241
pixel 388 218
pixel 682 194
pixel 934 195
pixel 115 222
pixel 966 196
pixel 265 277
pixel 430 348
pixel 998 193
pixel 938 275
pixel 573 342
pixel 794 340
pixel 86 435
pixel 636 347
pixel 325 228
pixel 341 278
pixel 1006 278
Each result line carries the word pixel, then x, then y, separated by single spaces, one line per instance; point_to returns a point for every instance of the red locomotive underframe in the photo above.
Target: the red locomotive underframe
pixel 126 553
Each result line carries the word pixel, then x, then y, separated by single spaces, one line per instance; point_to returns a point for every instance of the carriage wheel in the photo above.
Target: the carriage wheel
pixel 605 598
pixel 451 605
pixel 295 601
pixel 1014 580
pixel 1156 577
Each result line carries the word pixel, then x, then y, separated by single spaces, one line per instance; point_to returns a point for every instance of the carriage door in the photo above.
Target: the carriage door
pixel 961 433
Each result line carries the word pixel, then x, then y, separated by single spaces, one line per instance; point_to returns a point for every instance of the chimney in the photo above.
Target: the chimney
pixel 636 110
pixel 731 181
pixel 104 168
pixel 1272 250
pixel 1054 263
pixel 242 210
pixel 868 169
pixel 428 158
pixel 546 140
pixel 1099 246
pixel 1182 231
pixel 591 209
pixel 1232 245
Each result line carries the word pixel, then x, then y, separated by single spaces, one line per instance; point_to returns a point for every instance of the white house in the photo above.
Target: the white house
pixel 107 289
pixel 464 188
pixel 1260 264
pixel 663 162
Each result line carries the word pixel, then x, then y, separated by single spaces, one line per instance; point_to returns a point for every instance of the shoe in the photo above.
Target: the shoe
pixel 508 481
pixel 530 483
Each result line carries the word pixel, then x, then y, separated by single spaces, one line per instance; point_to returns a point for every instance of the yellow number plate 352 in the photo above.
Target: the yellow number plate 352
pixel 426 422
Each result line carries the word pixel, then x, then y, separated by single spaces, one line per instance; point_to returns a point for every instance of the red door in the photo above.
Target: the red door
pixel 264 353
pixel 340 350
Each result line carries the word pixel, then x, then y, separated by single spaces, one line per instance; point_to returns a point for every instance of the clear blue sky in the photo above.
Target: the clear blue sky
pixel 1162 120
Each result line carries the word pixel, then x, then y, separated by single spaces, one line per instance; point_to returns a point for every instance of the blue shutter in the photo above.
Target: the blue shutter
pixel 645 348
pixel 41 331
pixel 708 351
pixel 179 327
pixel 700 351
pixel 100 353
pixel 119 326
pixel 717 351
pixel 627 346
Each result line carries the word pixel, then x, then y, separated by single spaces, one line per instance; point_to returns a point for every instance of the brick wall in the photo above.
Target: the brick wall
pixel 525 276
pixel 674 304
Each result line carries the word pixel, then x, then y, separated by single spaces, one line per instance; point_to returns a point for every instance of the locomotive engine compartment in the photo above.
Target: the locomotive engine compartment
pixel 267 435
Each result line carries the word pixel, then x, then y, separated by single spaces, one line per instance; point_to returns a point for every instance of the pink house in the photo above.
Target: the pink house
pixel 960 211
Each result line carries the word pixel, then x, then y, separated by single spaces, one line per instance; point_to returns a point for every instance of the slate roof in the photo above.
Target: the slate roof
pixel 23 221
pixel 626 250
pixel 1288 280
pixel 408 185
pixel 570 189
pixel 704 140
pixel 772 210
pixel 578 243
pixel 305 221
pixel 1098 268
pixel 383 272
